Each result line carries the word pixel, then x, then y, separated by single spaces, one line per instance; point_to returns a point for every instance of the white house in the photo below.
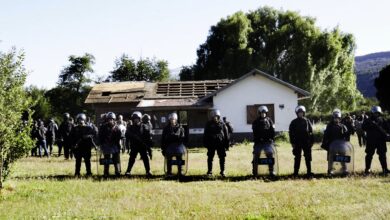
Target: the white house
pixel 238 100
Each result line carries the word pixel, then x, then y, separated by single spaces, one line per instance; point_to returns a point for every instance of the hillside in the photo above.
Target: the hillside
pixel 367 69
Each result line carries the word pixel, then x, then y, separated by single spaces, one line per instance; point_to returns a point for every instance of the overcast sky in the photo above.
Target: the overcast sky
pixel 49 31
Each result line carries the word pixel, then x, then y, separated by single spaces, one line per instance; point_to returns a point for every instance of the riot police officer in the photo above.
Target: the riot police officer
pixel 147 135
pixel 230 129
pixel 301 139
pixel 335 130
pixel 377 133
pixel 65 140
pixel 173 138
pixel 135 135
pixel 109 137
pixel 263 133
pixel 82 142
pixel 216 138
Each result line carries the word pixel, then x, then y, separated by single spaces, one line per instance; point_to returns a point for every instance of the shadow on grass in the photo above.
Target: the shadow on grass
pixel 201 178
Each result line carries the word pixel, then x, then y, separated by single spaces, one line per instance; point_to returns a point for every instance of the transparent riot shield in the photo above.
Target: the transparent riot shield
pixel 265 160
pixel 102 161
pixel 341 158
pixel 176 160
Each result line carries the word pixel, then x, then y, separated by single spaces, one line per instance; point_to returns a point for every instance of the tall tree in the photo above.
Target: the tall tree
pixel 285 45
pixel 75 76
pixel 73 86
pixel 41 107
pixel 382 86
pixel 15 141
pixel 127 69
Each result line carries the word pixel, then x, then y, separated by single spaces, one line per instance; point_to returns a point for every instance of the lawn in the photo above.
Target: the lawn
pixel 46 189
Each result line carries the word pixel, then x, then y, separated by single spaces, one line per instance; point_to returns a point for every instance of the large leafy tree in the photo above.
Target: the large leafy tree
pixel 285 45
pixel 75 76
pixel 42 108
pixel 127 69
pixel 73 86
pixel 15 141
pixel 383 89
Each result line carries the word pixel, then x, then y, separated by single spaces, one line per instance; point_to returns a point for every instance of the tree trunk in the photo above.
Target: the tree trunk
pixel 1 169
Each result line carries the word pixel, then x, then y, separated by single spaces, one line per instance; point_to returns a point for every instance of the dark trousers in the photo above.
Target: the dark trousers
pixel 361 139
pixel 79 155
pixel 144 156
pixel 67 150
pixel 221 151
pixel 116 161
pixel 60 144
pixel 297 152
pixel 381 149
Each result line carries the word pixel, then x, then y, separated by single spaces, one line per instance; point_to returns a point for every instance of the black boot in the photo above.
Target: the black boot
pixel 209 166
pixel 222 166
pixel 297 164
pixel 308 167
pixel 383 161
pixel 368 164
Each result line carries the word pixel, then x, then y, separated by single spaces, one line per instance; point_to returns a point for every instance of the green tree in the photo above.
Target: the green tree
pixel 127 69
pixel 72 87
pixel 285 45
pixel 382 86
pixel 75 76
pixel 15 141
pixel 42 107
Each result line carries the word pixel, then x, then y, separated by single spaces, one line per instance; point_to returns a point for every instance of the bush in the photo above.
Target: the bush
pixel 282 137
pixel 318 132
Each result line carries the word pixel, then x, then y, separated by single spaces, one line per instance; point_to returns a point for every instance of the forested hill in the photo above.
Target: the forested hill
pixel 367 69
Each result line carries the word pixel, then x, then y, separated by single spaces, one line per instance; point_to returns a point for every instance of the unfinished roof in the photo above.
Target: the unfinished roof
pixel 116 92
pixel 190 88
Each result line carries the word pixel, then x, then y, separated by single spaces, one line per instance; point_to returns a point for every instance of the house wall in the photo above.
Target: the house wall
pixel 256 89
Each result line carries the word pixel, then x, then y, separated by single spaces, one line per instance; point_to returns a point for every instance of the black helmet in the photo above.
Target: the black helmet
pixel 110 115
pixel 376 109
pixel 215 112
pixel 81 117
pixel 336 113
pixel 136 114
pixel 146 118
pixel 66 115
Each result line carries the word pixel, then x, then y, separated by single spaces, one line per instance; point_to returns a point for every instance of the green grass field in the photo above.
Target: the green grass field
pixel 46 189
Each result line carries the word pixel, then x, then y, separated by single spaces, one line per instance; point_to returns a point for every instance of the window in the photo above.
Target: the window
pixel 251 112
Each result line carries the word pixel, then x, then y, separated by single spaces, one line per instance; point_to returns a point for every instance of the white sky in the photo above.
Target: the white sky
pixel 49 31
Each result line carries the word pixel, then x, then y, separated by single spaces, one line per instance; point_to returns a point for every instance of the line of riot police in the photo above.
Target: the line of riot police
pixel 116 136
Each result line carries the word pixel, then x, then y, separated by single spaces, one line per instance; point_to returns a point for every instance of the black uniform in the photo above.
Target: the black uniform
pixel 334 132
pixel 377 132
pixel 136 134
pixel 263 133
pixel 216 138
pixel 301 138
pixel 65 139
pixel 147 136
pixel 172 135
pixel 263 130
pixel 82 143
pixel 109 138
